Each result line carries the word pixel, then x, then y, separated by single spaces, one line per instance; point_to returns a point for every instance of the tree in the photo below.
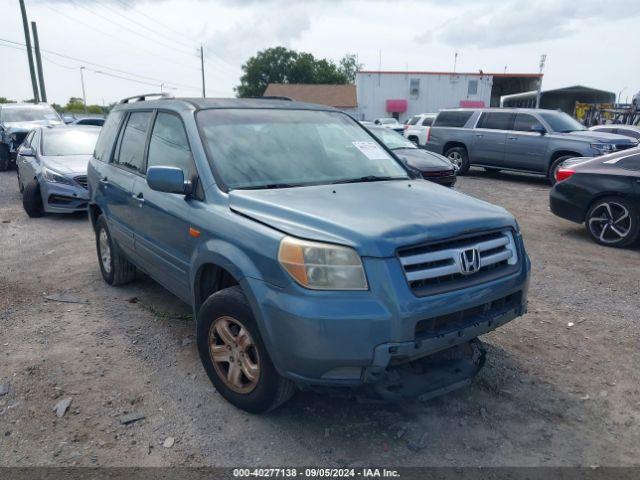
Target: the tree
pixel 281 65
pixel 6 100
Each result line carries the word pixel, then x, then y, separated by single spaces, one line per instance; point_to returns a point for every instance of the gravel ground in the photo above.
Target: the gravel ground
pixel 550 394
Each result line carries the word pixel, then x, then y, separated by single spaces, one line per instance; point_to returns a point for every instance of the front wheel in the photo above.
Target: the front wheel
pixel 459 157
pixel 614 222
pixel 32 199
pixel 234 355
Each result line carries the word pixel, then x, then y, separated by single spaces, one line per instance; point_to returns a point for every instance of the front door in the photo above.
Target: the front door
pixel 165 236
pixel 526 149
pixel 490 137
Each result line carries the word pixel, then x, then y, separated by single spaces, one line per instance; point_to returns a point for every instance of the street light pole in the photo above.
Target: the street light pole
pixel 543 59
pixel 84 95
pixel 204 91
pixel 27 39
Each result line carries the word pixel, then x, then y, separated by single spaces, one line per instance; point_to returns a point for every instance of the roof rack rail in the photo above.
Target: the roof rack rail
pixel 145 96
pixel 274 97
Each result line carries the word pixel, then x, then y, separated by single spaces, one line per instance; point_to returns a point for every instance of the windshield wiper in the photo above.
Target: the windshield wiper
pixel 271 185
pixel 368 178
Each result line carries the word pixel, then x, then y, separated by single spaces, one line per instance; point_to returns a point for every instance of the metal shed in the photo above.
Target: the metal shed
pixel 564 99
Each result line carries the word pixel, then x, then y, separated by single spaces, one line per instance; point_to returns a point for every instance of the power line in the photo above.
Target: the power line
pixel 124 42
pixel 135 32
pixel 81 61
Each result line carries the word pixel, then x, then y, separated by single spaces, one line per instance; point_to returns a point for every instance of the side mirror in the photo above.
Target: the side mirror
pixel 538 129
pixel 168 180
pixel 26 152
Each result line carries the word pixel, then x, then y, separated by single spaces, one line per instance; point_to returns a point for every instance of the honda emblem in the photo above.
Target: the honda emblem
pixel 469 261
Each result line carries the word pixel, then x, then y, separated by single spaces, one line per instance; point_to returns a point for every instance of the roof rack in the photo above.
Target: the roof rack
pixel 274 97
pixel 145 96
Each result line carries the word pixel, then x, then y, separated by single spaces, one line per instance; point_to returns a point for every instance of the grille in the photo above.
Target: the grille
pixel 453 321
pixel 82 180
pixel 443 173
pixel 437 268
pixel 624 146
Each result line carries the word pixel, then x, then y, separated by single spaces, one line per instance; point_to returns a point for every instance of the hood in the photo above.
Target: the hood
pixel 71 164
pixel 28 126
pixel 375 218
pixel 423 160
pixel 601 137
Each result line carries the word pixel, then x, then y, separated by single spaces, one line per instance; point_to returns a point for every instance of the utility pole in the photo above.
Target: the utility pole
pixel 27 39
pixel 455 62
pixel 204 91
pixel 543 59
pixel 36 46
pixel 84 95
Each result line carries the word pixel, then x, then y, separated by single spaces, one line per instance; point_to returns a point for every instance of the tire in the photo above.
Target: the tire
pixel 114 266
pixel 459 156
pixel 551 174
pixel 263 389
pixel 32 200
pixel 4 158
pixel 20 184
pixel 613 222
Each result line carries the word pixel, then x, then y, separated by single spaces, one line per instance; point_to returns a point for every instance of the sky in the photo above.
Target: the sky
pixel 134 46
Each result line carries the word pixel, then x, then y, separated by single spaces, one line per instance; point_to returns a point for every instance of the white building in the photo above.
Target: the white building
pixel 404 94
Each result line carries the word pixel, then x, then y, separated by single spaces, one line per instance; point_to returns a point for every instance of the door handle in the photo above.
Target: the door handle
pixel 139 198
pixel 104 181
pixel 513 138
pixel 479 135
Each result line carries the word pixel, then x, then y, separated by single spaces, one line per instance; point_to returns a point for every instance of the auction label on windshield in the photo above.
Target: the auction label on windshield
pixel 371 150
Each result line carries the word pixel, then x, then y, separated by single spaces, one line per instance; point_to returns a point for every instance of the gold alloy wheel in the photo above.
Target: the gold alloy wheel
pixel 234 354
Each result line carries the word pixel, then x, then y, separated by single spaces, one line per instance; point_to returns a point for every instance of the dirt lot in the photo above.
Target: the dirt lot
pixel 550 394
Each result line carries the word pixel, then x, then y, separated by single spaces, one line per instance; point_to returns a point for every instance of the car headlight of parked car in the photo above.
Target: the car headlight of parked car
pixel 54 177
pixel 604 147
pixel 322 266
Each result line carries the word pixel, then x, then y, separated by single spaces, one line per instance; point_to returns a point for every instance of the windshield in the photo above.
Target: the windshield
pixel 393 140
pixel 29 114
pixel 57 143
pixel 561 122
pixel 269 148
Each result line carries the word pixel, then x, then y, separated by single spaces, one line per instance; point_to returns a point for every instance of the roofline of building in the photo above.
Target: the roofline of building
pixel 416 72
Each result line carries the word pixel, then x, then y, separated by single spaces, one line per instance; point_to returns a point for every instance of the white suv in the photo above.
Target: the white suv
pixel 418 127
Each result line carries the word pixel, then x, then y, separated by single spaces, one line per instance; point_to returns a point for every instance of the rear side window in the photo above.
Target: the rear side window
pixel 427 122
pixel 524 122
pixel 452 119
pixel 495 121
pixel 130 152
pixel 107 137
pixel 169 146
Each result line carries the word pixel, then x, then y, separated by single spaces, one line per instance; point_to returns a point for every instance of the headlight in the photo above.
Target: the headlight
pixel 322 266
pixel 604 147
pixel 54 177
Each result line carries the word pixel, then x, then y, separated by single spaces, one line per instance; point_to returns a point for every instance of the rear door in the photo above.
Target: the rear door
pixel 165 237
pixel 526 149
pixel 119 176
pixel 490 137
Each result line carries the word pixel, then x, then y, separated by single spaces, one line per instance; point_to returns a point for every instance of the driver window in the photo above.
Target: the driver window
pixel 169 146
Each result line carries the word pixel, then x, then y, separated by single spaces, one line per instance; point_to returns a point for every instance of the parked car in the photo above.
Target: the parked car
pixel 517 139
pixel 391 123
pixel 313 260
pixel 604 194
pixel 16 120
pixel 95 121
pixel 418 127
pixel 428 165
pixel 631 131
pixel 52 169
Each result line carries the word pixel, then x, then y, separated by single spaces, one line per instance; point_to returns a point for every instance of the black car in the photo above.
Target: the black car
pixel 604 194
pixel 431 166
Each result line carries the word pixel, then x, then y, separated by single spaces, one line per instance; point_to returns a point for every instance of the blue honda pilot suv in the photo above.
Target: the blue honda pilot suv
pixel 311 257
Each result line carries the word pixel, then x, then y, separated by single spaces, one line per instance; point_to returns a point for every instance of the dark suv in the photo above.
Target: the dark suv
pixel 292 232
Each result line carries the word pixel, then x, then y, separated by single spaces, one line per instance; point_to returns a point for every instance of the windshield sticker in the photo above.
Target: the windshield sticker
pixel 371 150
